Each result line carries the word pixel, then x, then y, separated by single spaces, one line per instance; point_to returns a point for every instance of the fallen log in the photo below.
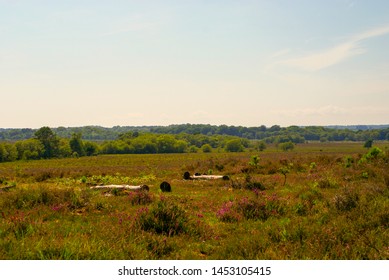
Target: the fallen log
pixel 197 176
pixel 210 177
pixel 122 187
pixel 6 188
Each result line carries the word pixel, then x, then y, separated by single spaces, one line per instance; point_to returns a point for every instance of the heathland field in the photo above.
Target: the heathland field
pixel 318 201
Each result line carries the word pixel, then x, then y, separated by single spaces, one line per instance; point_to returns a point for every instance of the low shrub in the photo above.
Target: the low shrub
pixel 373 154
pixel 227 213
pixel 347 200
pixel 253 185
pixel 44 176
pixel 301 209
pixel 20 224
pixel 308 197
pixel 327 182
pixel 166 217
pixel 348 161
pixel 259 208
pixel 140 197
pixel 158 246
pixel 252 209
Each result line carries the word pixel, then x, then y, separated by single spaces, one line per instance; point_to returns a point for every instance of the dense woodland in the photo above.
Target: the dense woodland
pixel 269 134
pixel 26 144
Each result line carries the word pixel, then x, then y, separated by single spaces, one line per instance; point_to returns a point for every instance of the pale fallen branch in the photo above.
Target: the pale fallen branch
pixel 187 176
pixel 122 187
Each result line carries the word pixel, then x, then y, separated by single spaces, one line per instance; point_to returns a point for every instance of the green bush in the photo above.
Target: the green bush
pixel 166 217
pixel 286 146
pixel 206 148
pixel 373 154
pixel 234 145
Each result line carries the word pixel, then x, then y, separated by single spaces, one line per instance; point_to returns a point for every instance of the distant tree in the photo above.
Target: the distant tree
pixel 274 128
pixel 64 148
pixel 165 144
pixel 91 148
pixel 8 152
pixel 116 147
pixel 234 145
pixel 128 135
pixel 144 144
pixel 49 141
pixel 109 147
pixel 76 144
pixel 180 146
pixel 123 147
pixel 206 148
pixel 149 148
pixel 287 146
pixel 368 143
pixel 29 149
pixel 2 153
pixel 261 145
pixel 193 149
pixel 324 138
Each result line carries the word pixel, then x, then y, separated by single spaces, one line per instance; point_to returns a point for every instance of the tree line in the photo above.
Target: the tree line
pixel 55 143
pixel 45 143
pixel 271 134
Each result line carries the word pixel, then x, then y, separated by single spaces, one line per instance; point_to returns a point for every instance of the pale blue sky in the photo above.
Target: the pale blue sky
pixel 250 63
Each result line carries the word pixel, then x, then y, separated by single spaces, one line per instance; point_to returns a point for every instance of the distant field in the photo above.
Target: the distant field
pixel 319 201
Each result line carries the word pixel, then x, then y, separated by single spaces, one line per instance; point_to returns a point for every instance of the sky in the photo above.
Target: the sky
pixel 250 63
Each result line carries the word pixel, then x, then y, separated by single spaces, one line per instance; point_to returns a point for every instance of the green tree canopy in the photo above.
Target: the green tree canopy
pixel 206 148
pixel 76 144
pixel 49 141
pixel 234 145
pixel 29 149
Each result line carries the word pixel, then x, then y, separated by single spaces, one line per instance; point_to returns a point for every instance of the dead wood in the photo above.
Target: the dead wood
pixel 197 176
pixel 123 187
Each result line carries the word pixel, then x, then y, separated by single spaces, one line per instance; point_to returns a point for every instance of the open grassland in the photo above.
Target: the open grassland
pixel 319 201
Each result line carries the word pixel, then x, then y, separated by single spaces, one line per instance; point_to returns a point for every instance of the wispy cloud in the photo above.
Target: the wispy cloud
pixel 380 31
pixel 328 57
